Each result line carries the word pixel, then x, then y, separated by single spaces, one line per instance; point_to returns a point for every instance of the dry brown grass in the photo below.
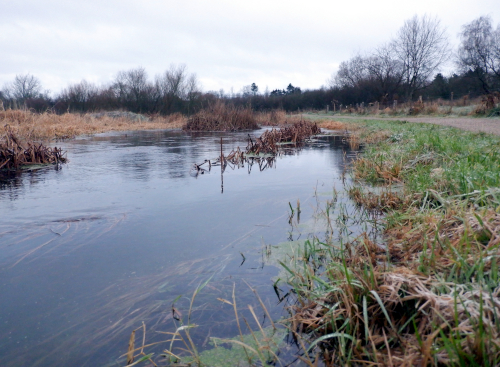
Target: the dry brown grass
pixel 331 125
pixel 221 117
pixel 276 118
pixel 429 294
pixel 15 154
pixel 431 108
pixel 46 126
pixel 384 201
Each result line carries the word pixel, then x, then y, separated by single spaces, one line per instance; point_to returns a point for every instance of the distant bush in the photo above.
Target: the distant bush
pixel 220 117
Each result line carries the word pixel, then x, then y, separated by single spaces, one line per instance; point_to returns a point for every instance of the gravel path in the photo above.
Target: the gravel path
pixel 487 125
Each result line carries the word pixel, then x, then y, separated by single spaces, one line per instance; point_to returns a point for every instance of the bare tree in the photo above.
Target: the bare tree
pixel 193 91
pixel 352 72
pixel 133 89
pixel 172 81
pixel 24 87
pixel 80 96
pixel 246 91
pixel 371 77
pixel 479 51
pixel 175 87
pixel 386 70
pixel 422 47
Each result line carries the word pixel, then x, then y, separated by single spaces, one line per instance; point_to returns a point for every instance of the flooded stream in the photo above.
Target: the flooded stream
pixel 90 251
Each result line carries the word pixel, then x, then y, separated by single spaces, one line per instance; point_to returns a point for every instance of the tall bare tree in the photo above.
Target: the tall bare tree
pixel 479 51
pixel 385 70
pixel 176 86
pixel 24 87
pixel 352 72
pixel 80 96
pixel 422 46
pixel 193 92
pixel 372 77
pixel 133 89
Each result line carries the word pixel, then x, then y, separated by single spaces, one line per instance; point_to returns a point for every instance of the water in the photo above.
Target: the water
pixel 89 251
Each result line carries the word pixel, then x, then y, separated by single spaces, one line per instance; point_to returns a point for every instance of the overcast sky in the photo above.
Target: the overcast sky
pixel 227 43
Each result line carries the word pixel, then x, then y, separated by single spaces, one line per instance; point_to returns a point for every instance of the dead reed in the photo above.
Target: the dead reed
pixel 15 154
pixel 276 117
pixel 221 117
pixel 331 125
pixel 262 150
pixel 270 140
pixel 46 126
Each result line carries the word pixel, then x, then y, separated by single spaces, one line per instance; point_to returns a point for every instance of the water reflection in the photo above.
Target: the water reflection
pixel 89 252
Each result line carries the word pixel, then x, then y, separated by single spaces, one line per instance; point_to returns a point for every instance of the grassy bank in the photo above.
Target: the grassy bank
pixel 485 106
pixel 428 292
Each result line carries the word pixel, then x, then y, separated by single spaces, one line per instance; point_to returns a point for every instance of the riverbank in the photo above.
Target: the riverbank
pixel 489 125
pixel 49 126
pixel 427 293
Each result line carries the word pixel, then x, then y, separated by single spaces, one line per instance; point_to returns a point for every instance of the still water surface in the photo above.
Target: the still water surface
pixel 89 251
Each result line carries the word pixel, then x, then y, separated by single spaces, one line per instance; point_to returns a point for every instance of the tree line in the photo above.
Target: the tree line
pixel 407 67
pixel 175 90
pixel 403 69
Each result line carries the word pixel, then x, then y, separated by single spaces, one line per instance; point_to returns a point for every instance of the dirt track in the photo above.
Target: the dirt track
pixel 487 125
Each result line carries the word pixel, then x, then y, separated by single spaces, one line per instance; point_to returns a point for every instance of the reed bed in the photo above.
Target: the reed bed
pixel 428 293
pixel 222 117
pixel 15 154
pixel 47 126
pixel 270 140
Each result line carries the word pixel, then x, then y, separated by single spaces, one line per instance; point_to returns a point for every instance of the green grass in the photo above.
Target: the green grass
pixel 429 293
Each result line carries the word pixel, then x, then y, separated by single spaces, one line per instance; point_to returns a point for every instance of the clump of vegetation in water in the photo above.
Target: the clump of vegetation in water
pixel 429 294
pixel 222 117
pixel 15 155
pixel 264 148
pixel 269 141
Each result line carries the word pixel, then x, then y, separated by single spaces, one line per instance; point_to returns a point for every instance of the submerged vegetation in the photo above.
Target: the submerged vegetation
pixel 428 294
pixel 257 346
